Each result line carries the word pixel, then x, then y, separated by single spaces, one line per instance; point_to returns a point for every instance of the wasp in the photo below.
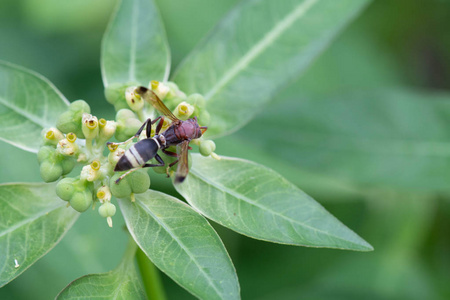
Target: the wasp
pixel 178 134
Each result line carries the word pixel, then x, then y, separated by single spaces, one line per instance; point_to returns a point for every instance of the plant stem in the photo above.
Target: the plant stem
pixel 150 276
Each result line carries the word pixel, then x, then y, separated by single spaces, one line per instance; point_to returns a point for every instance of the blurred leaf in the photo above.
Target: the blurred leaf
pixel 135 47
pixel 32 221
pixel 258 202
pixel 121 283
pixel 257 49
pixel 182 244
pixel 397 138
pixel 28 103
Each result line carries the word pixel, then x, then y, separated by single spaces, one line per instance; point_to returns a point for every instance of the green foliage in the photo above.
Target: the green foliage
pixel 32 221
pixel 134 47
pixel 28 104
pixel 277 41
pixel 121 283
pixel 181 243
pixel 253 53
pixel 276 210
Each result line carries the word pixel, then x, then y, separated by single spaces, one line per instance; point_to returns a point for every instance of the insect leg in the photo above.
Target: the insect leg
pixel 203 128
pixel 169 153
pixel 159 159
pixel 149 121
pixel 170 166
pixel 148 130
pixel 125 174
pixel 160 124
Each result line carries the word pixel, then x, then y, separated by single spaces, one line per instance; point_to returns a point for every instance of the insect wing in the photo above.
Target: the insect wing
pixel 183 167
pixel 154 100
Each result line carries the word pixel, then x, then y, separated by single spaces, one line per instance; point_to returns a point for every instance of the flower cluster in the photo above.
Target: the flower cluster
pixel 80 138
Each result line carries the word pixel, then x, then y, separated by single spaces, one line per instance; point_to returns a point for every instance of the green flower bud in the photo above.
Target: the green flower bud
pixel 183 111
pixel 50 170
pixel 125 114
pixel 104 194
pixel 89 126
pixel 52 136
pixel 139 181
pixel 106 131
pixel 70 121
pixel 121 189
pixel 174 91
pixel 197 100
pixel 80 106
pixel 107 210
pixel 136 182
pixel 44 153
pixel 206 147
pixel 66 147
pixel 91 172
pixel 204 118
pixel 81 200
pixel 115 94
pixel 160 88
pixel 127 125
pixel 65 188
pixel 68 163
pixel 135 101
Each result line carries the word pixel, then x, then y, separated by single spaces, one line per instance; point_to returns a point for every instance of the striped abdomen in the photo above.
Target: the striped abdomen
pixel 137 155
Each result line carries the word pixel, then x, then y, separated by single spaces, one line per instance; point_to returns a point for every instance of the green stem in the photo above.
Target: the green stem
pixel 140 115
pixel 150 277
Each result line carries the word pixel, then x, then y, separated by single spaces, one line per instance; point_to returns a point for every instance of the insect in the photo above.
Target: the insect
pixel 179 134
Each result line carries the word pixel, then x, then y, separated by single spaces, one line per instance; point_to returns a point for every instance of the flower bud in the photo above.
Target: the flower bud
pixel 89 126
pixel 68 163
pixel 183 111
pixel 135 101
pixel 81 200
pixel 159 88
pixel 66 188
pixel 136 182
pixel 127 125
pixel 121 189
pixel 107 210
pixel 51 170
pixel 106 131
pixel 174 91
pixel 104 194
pixel 52 136
pixel 67 148
pixel 115 94
pixel 44 153
pixel 70 121
pixel 91 172
pixel 139 181
pixel 206 147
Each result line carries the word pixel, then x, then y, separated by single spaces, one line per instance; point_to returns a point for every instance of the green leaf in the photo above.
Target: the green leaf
pixel 257 49
pixel 396 138
pixel 135 48
pixel 121 283
pixel 258 202
pixel 28 103
pixel 181 243
pixel 32 221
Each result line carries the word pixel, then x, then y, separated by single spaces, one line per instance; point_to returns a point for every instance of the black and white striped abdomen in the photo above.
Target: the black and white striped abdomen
pixel 137 155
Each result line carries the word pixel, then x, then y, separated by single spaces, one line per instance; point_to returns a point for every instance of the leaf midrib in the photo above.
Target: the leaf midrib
pixel 30 219
pixel 163 225
pixel 251 202
pixel 40 122
pixel 259 47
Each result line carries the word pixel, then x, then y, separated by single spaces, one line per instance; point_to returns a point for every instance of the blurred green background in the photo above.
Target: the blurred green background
pixel 402 43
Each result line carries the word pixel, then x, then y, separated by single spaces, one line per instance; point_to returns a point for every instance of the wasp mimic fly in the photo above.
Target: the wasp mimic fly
pixel 178 134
